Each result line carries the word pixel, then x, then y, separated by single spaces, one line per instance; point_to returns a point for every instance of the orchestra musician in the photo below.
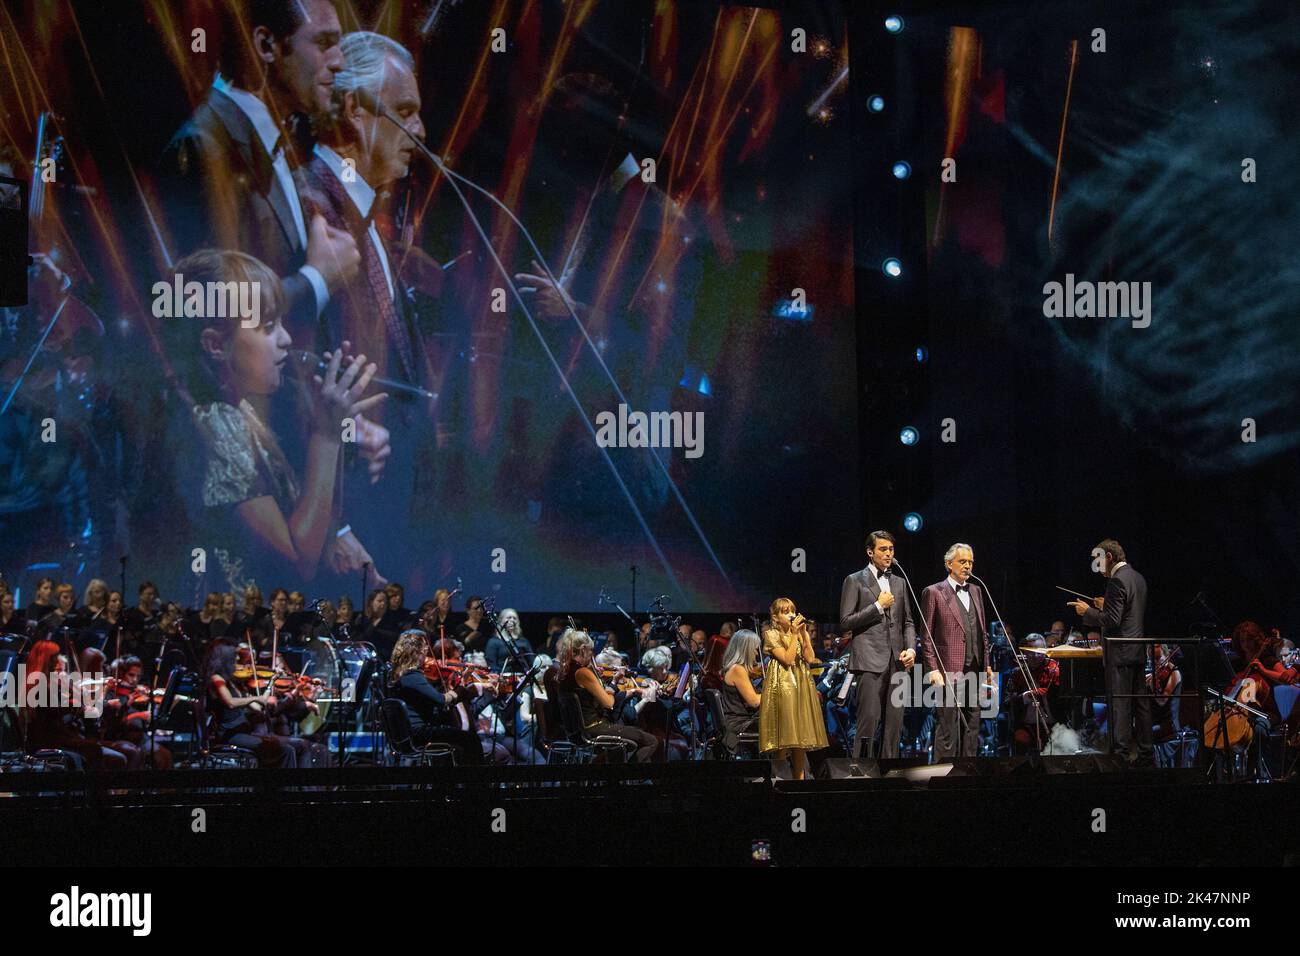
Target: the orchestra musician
pixel 429 705
pixel 577 675
pixel 44 603
pixel 55 723
pixel 790 717
pixel 741 703
pixel 508 639
pixel 127 713
pixel 11 621
pixel 473 633
pixel 240 717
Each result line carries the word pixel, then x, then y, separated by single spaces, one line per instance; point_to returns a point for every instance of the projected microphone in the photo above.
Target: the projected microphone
pixel 312 361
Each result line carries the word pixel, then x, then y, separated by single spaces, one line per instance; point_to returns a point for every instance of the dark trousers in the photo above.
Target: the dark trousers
pixel 468 748
pixel 646 743
pixel 874 691
pixel 274 750
pixel 957 730
pixel 1123 679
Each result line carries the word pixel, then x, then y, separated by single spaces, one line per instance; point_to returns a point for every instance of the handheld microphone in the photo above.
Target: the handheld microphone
pixel 317 365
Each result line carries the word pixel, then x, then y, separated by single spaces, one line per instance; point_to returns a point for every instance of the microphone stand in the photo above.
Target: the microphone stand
pixel 374 106
pixel 1040 724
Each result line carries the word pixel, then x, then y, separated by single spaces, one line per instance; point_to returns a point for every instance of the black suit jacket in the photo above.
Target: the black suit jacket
pixel 877 638
pixel 219 190
pixel 1123 614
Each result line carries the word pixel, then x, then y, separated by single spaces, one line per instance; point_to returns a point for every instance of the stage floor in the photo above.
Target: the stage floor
pixel 703 813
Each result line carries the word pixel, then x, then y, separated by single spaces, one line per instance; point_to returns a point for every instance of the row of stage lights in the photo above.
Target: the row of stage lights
pixel 909 435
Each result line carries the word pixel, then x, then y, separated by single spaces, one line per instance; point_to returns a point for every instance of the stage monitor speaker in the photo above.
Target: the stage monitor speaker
pixel 912 769
pixel 13 242
pixel 842 768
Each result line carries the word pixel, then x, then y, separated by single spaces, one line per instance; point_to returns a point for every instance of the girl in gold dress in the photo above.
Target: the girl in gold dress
pixel 790 716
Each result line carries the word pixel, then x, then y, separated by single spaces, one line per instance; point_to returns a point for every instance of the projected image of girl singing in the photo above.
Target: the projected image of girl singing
pixel 241 489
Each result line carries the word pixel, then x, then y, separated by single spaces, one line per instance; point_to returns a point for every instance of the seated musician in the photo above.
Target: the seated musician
pixel 44 602
pixel 474 632
pixel 1168 681
pixel 740 702
pixel 1028 704
pixel 510 638
pixel 240 718
pixel 125 724
pixel 271 628
pixel 64 611
pixel 56 724
pixel 429 706
pixel 11 621
pixel 577 676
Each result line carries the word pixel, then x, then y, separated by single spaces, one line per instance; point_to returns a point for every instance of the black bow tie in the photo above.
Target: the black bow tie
pixel 963 587
pixel 882 573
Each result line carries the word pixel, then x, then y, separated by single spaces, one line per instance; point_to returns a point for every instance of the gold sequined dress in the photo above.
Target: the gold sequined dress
pixel 790 714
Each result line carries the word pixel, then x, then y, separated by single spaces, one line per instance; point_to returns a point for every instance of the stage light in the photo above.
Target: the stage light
pixel 902 169
pixel 894 23
pixel 909 435
pixel 912 522
pixel 922 354
pixel 892 268
pixel 876 104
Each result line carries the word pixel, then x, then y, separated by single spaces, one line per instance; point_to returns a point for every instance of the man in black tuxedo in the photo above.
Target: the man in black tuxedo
pixel 1122 613
pixel 884 643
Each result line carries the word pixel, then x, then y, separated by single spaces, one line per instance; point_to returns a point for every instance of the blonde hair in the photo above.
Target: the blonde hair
pixel 780 606
pixel 566 649
pixel 408 654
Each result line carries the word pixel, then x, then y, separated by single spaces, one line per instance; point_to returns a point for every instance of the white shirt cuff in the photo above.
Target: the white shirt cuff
pixel 313 276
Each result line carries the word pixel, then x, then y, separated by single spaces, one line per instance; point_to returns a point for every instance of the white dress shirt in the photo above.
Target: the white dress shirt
pixel 362 196
pixel 963 596
pixel 882 583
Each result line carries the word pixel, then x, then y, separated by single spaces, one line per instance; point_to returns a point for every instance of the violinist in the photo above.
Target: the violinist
pixel 1167 680
pixel 577 676
pixel 54 723
pixel 124 725
pixel 239 718
pixel 1032 706
pixel 126 704
pixel 740 701
pixel 428 704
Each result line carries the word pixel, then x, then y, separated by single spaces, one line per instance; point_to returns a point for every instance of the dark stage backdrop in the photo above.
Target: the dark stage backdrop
pixel 1179 437
pixel 692 288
